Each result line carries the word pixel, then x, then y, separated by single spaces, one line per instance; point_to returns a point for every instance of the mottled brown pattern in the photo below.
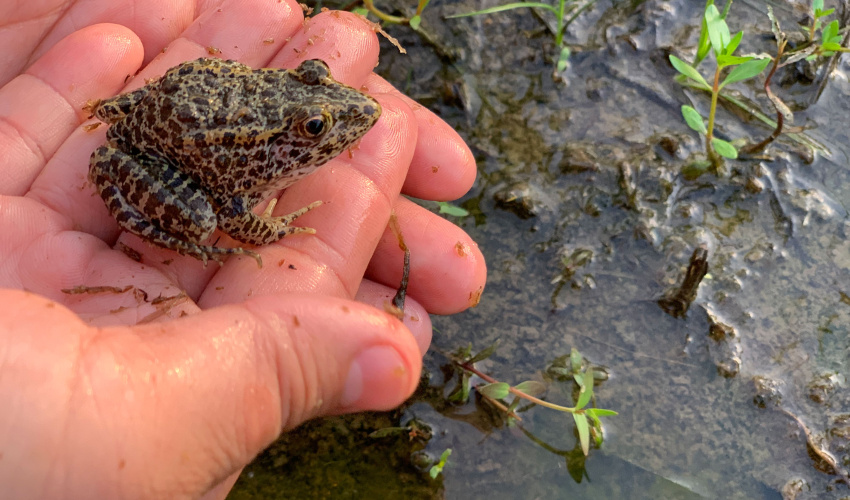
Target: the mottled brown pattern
pixel 197 149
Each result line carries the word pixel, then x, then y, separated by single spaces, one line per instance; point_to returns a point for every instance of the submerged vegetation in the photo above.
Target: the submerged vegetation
pixel 572 367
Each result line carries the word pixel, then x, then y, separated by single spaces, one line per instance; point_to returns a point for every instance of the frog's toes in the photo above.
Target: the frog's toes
pixel 219 255
pixel 281 223
pixel 286 219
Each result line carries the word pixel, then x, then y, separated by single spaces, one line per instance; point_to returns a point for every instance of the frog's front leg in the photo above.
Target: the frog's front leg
pixel 237 220
pixel 115 108
pixel 157 202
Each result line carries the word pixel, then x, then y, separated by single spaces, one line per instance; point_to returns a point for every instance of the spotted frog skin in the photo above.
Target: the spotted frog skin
pixel 199 148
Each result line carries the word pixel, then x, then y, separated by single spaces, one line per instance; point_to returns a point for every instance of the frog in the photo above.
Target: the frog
pixel 201 147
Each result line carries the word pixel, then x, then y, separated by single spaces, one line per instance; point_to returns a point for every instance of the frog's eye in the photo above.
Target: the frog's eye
pixel 316 125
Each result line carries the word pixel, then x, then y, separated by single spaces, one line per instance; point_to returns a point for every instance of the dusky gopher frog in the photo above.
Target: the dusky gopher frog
pixel 203 145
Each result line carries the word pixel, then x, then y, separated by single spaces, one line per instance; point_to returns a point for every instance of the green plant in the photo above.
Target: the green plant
pixel 818 13
pixel 830 40
pixel 437 468
pixel 587 420
pixel 414 22
pixel 723 45
pixel 715 37
pixel 565 12
pixel 453 210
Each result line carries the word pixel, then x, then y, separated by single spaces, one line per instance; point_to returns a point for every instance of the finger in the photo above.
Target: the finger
pixel 345 41
pixel 238 28
pixel 357 191
pixel 38 26
pixel 447 269
pixel 40 108
pixel 415 318
pixel 24 26
pixel 443 167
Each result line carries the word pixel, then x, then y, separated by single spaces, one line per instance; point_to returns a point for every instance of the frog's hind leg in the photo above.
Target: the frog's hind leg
pixel 237 220
pixel 131 220
pixel 158 203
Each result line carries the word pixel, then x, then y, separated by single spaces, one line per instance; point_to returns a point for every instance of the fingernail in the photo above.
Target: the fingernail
pixel 375 379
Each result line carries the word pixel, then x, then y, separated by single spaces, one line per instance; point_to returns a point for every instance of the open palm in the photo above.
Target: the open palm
pixel 131 371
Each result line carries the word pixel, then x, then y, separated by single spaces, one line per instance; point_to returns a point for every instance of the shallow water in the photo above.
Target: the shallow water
pixel 590 165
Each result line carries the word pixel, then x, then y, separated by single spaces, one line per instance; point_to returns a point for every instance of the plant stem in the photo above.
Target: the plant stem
pixel 519 393
pixel 559 34
pixel 499 405
pixel 384 16
pixel 780 118
pixel 715 92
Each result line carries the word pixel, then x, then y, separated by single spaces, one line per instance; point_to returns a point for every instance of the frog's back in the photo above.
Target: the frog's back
pixel 236 130
pixel 189 101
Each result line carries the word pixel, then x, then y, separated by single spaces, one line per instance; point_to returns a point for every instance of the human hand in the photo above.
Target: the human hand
pixel 169 387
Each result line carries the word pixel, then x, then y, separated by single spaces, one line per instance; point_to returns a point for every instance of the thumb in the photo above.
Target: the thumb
pixel 168 410
pixel 269 364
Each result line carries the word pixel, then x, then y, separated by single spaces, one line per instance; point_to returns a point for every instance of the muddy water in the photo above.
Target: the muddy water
pixel 586 221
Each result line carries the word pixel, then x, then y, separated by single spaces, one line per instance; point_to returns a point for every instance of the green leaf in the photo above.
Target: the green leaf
pixel 496 390
pixel 687 70
pixel 831 46
pixel 724 60
pixel 514 404
pixel 448 208
pixel 509 6
pixel 415 21
pixel 830 31
pixel 600 373
pixel 597 436
pixel 733 44
pixel 599 412
pixel 746 71
pixel 694 119
pixel 531 387
pixel 724 148
pixel 726 8
pixel 586 390
pixel 563 57
pixel 817 6
pixel 583 432
pixel 559 370
pixel 486 353
pixel 461 394
pixel 718 31
pixel 824 13
pixel 362 11
pixel 575 360
pixel 695 169
pixel 704 44
pixel 437 468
